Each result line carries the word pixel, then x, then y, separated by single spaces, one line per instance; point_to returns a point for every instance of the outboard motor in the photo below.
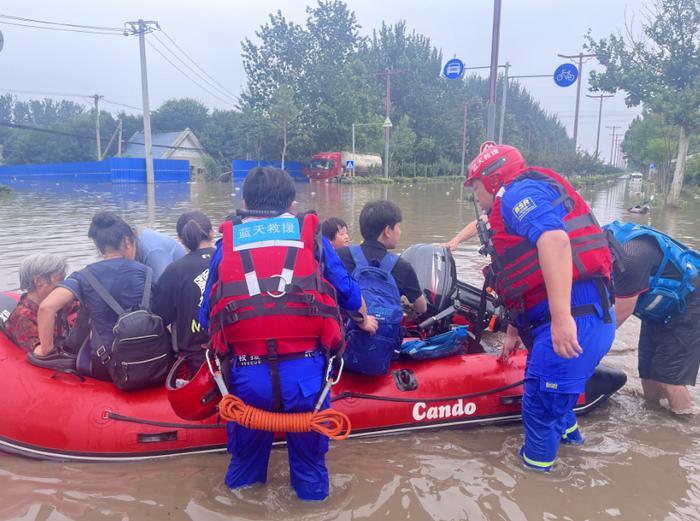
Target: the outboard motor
pixel 437 274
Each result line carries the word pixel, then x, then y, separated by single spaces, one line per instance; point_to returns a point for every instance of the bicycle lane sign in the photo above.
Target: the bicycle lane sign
pixel 565 75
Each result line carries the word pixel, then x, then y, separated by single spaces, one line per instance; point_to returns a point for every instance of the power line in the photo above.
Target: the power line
pixel 197 65
pixel 20 126
pixel 61 29
pixel 192 70
pixel 186 75
pixel 67 95
pixel 45 93
pixel 48 22
pixel 120 104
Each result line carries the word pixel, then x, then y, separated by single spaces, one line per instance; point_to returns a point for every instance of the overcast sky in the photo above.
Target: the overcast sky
pixel 210 31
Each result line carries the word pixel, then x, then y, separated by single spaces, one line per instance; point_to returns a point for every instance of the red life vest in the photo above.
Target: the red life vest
pixel 272 290
pixel 519 279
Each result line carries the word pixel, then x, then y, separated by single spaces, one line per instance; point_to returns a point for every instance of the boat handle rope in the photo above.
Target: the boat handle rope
pixel 351 394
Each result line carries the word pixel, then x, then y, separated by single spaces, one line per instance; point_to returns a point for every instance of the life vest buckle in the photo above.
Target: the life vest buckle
pixel 282 290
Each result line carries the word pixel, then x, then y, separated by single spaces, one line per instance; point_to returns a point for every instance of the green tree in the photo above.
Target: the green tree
pixel 176 115
pixel 283 111
pixel 660 70
pixel 278 59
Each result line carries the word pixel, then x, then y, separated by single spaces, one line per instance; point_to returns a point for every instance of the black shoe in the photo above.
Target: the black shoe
pixel 56 359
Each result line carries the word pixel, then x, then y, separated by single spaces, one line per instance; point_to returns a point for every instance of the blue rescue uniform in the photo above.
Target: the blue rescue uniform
pixel 552 384
pixel 300 379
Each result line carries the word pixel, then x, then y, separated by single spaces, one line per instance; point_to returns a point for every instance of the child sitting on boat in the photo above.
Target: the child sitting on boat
pixel 383 278
pixel 336 231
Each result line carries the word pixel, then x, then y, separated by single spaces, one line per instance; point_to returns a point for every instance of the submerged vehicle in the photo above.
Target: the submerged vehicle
pixel 66 416
pixel 331 165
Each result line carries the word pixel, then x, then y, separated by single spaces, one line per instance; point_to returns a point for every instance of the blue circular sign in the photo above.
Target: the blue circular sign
pixel 565 75
pixel 453 69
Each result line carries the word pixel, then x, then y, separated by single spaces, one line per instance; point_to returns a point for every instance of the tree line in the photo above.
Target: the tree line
pixel 306 86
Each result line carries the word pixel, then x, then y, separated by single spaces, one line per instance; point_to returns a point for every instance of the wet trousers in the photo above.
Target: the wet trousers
pixel 300 381
pixel 553 385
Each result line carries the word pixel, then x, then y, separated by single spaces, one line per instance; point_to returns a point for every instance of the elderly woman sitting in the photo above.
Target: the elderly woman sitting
pixel 38 276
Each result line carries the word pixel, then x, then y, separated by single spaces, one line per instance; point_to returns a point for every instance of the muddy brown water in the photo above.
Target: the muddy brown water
pixel 639 462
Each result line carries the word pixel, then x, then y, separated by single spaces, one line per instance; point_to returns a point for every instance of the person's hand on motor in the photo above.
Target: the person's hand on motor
pixel 511 343
pixel 452 245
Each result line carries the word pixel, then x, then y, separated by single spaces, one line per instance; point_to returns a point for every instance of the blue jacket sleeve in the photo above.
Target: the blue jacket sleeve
pixel 528 211
pixel 349 296
pixel 211 279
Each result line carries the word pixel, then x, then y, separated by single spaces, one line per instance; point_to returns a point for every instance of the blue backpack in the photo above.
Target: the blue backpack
pixel 372 354
pixel 666 297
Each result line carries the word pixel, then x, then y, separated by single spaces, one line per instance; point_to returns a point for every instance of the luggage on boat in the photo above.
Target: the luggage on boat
pixel 446 344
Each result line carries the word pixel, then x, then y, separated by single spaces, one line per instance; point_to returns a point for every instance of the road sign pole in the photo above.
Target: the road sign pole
pixel 464 154
pixel 353 149
pixel 503 103
pixel 580 57
pixel 491 107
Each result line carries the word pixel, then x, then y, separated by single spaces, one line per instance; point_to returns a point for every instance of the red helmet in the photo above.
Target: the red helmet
pixel 495 165
pixel 195 396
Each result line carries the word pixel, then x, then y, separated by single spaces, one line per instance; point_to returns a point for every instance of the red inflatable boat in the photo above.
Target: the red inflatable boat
pixel 49 415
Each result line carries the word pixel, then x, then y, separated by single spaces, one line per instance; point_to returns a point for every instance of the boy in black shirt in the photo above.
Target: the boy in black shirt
pixel 381 229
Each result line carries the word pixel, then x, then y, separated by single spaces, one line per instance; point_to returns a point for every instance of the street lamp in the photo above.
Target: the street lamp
pixel 387 127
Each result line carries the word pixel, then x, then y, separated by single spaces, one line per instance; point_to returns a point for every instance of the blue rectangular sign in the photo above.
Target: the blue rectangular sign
pixel 277 230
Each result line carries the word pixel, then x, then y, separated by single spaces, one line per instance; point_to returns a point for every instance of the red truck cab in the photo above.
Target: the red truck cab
pixel 325 165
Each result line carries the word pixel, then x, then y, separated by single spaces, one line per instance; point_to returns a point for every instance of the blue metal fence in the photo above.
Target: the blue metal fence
pixel 113 169
pixel 241 167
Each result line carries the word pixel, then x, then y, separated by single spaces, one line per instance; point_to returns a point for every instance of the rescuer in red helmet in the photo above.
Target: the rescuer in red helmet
pixel 550 266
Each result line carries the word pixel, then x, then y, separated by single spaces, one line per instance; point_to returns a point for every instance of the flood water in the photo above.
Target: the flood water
pixel 639 462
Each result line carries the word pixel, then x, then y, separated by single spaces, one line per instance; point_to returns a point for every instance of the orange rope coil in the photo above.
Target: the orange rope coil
pixel 334 424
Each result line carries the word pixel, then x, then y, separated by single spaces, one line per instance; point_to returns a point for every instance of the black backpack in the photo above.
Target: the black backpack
pixel 140 355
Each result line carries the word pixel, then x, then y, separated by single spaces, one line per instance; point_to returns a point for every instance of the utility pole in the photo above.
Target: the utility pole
pixel 142 27
pixel 618 139
pixel 580 57
pixel 618 145
pixel 464 154
pixel 600 99
pixel 119 138
pixel 97 97
pixel 464 141
pixel 612 143
pixel 493 78
pixel 503 103
pixel 388 73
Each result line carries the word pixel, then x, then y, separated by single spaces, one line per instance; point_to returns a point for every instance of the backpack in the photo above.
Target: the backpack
pixel 140 355
pixel 666 297
pixel 372 354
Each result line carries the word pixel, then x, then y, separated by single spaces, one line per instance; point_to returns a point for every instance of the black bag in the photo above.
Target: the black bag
pixel 141 354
